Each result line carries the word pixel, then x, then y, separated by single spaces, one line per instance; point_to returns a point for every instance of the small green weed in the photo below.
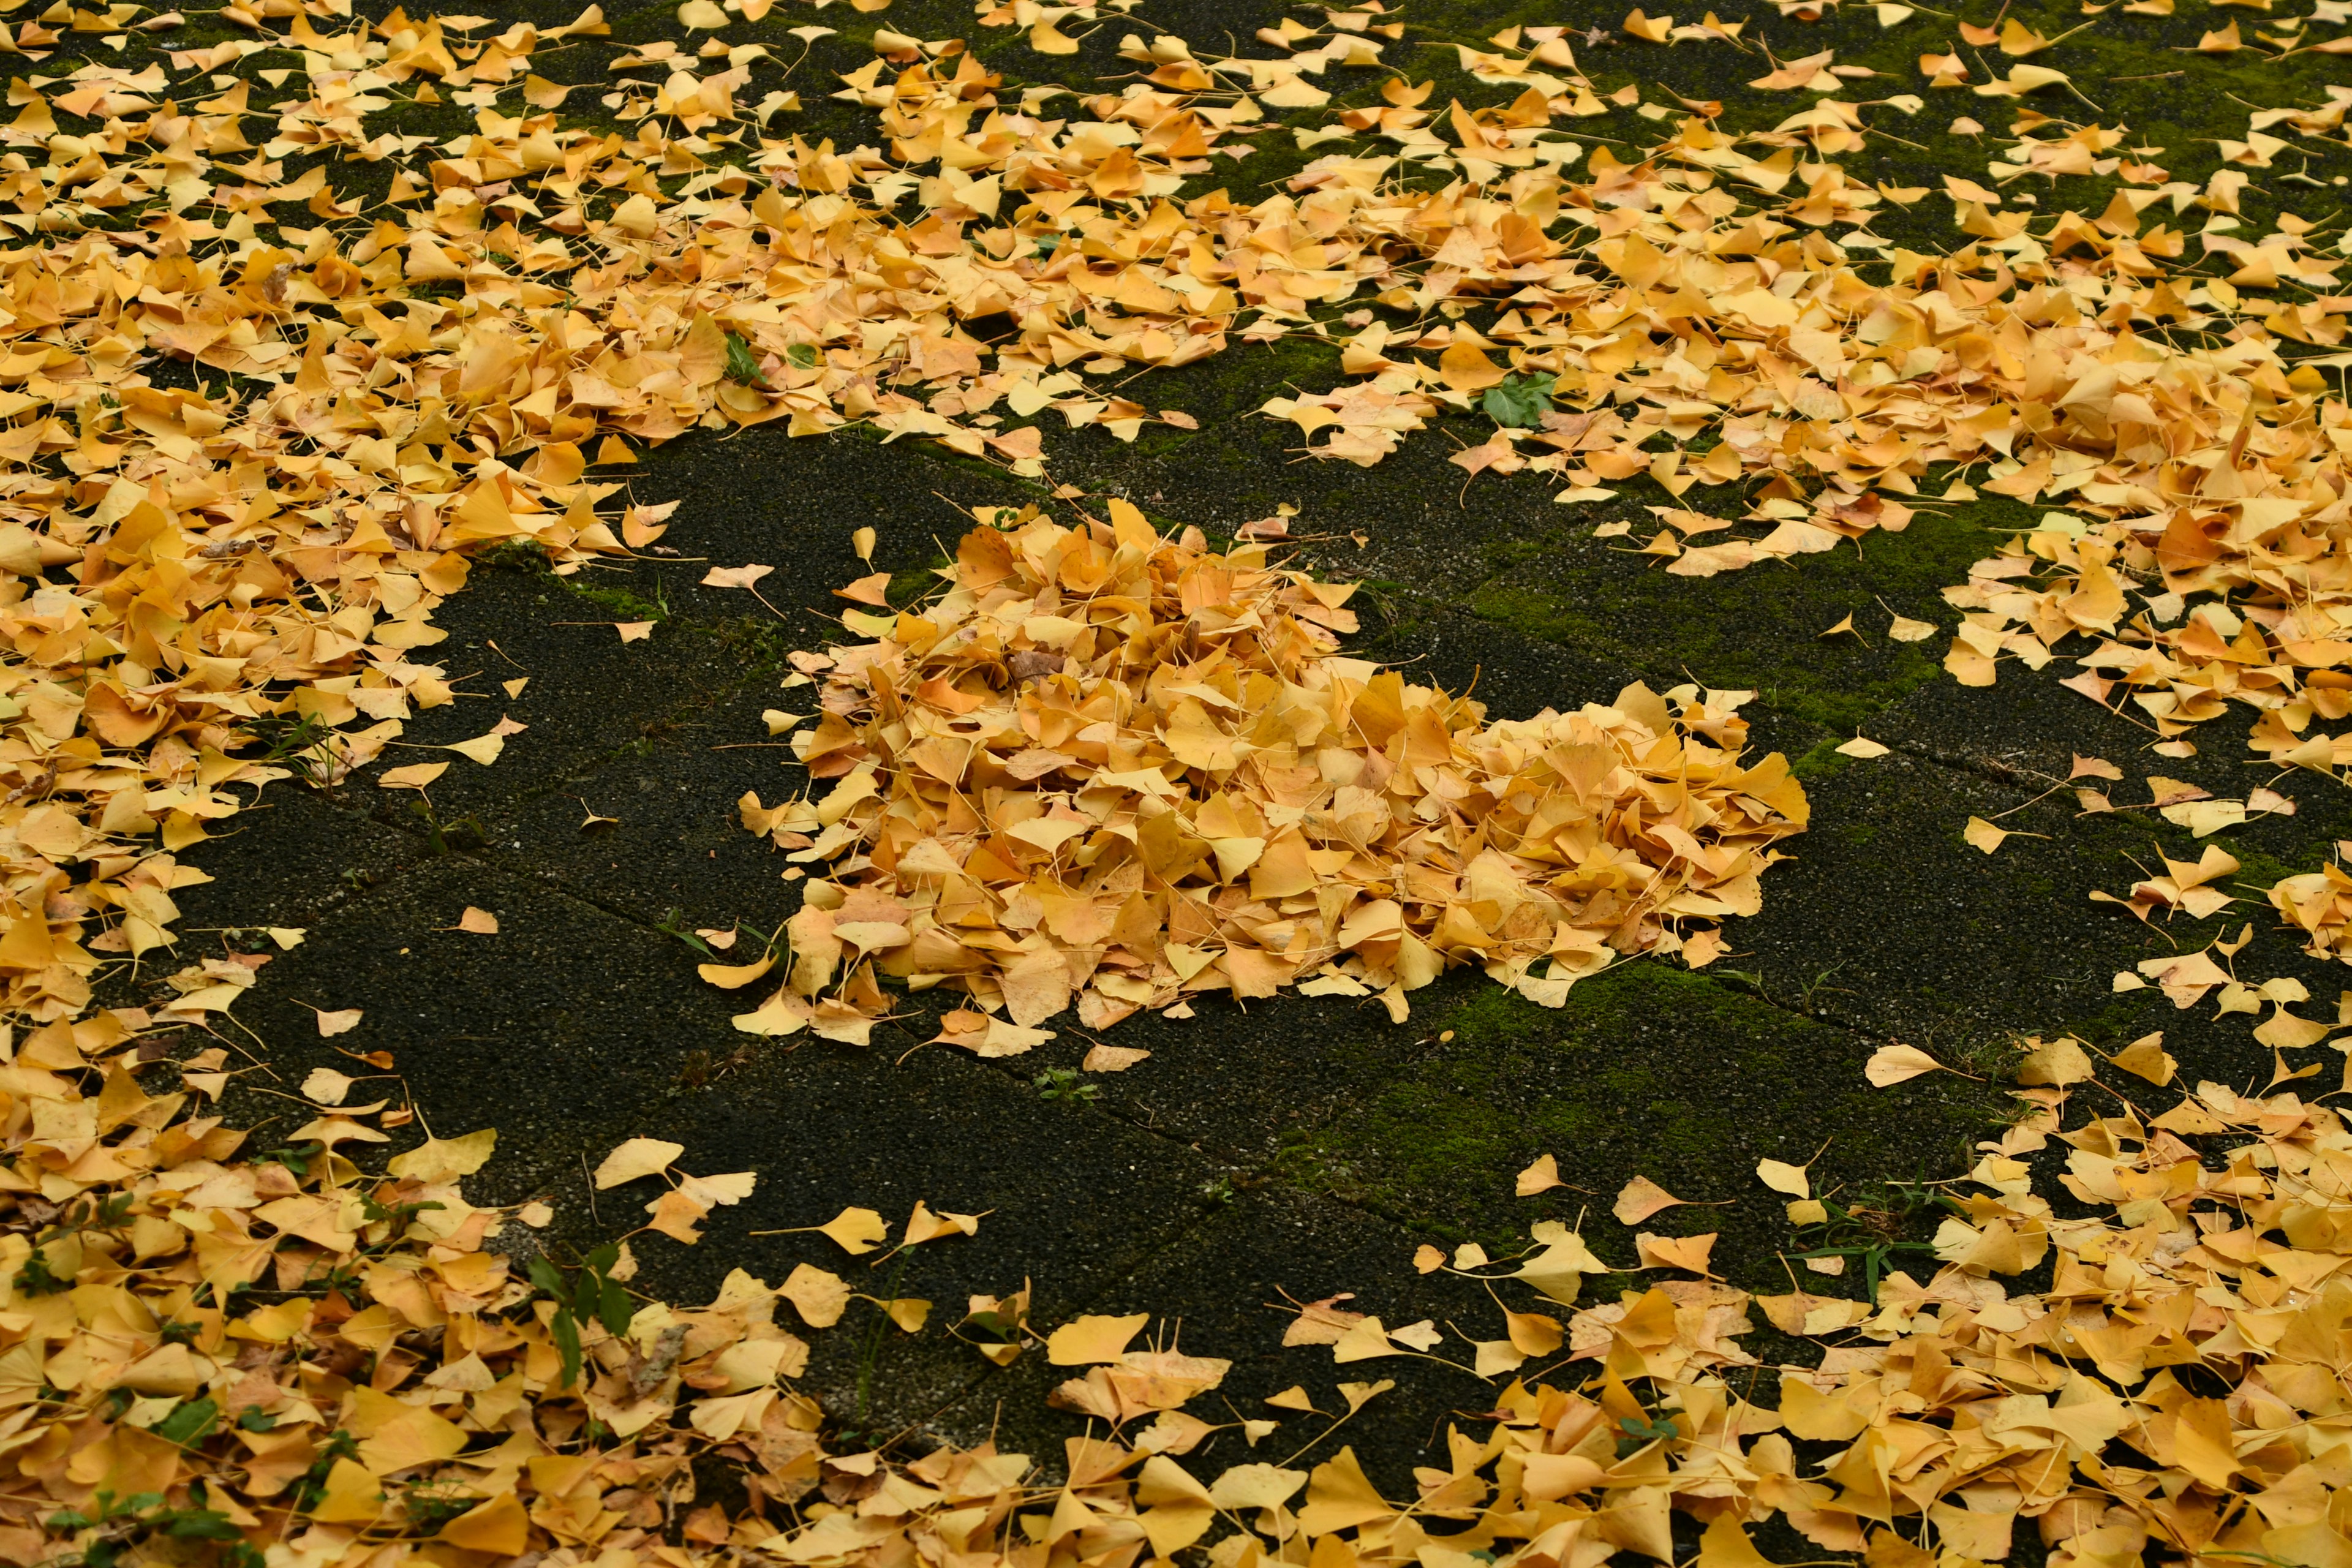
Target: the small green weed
pixel 1066 1083
pixel 34 1278
pixel 1641 1431
pixel 740 364
pixel 1519 402
pixel 588 1293
pixel 295 1157
pixel 300 742
pixel 115 1527
pixel 1878 1225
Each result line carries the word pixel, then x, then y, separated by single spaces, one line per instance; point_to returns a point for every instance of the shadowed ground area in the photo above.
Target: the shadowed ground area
pixel 1300 1148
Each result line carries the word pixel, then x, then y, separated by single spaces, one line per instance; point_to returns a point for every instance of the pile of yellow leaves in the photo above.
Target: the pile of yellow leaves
pixel 284 1361
pixel 2205 551
pixel 2178 1389
pixel 203 1352
pixel 1116 766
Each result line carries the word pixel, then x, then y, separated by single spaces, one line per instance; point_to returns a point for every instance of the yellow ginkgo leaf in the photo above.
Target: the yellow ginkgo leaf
pixel 636 1158
pixel 1093 1338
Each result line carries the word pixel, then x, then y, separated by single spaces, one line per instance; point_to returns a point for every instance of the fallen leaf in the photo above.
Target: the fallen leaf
pixel 2060 1063
pixel 636 1158
pixel 819 1296
pixel 325 1086
pixel 1540 1177
pixel 1093 1338
pixel 1890 1065
pixel 414 775
pixel 925 1226
pixel 676 1214
pixel 1685 1252
pixel 2147 1057
pixel 1641 1198
pixel 1982 835
pixel 440 1160
pixel 482 749
pixel 734 976
pixel 855 1230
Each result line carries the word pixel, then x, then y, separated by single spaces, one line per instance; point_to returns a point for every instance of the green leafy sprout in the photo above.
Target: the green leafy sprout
pixel 1066 1083
pixel 1519 402
pixel 740 363
pixel 586 1294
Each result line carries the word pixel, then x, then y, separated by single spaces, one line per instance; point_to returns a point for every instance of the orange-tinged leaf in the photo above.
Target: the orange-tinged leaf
pixel 1685 1252
pixel 1465 369
pixel 1641 1198
pixel 855 1230
pixel 2147 1057
pixel 676 1214
pixel 734 976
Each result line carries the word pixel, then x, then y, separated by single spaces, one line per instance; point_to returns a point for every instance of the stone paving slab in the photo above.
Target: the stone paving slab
pixel 1270 1247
